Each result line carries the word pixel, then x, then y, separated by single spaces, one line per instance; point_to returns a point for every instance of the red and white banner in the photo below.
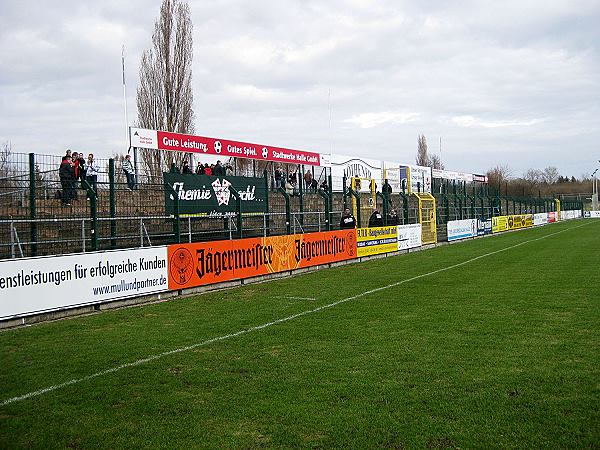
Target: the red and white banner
pixel 164 140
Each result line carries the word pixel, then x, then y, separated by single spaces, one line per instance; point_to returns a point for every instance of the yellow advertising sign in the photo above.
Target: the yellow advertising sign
pixel 520 221
pixel 373 241
pixel 499 224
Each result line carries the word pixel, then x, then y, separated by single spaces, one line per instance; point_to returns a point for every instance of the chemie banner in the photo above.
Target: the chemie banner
pixel 213 196
pixel 202 263
pixel 409 236
pixel 41 284
pixel 540 219
pixel 520 221
pixel 484 227
pixel 462 229
pixel 163 140
pixel 373 241
pixel 499 224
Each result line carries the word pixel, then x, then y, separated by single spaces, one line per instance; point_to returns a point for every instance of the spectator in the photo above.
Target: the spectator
pixel 91 172
pixel 76 168
pixel 68 154
pixel 67 176
pixel 289 186
pixel 219 170
pixel 185 169
pixel 200 169
pixel 207 169
pixel 279 180
pixel 324 185
pixel 393 218
pixel 387 188
pixel 81 165
pixel 348 220
pixel 127 167
pixel 308 179
pixel 313 185
pixel 376 219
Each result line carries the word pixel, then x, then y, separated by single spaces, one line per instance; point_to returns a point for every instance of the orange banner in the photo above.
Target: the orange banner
pixel 201 263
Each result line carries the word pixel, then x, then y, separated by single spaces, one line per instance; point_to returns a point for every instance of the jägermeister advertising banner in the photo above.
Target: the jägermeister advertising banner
pixel 205 195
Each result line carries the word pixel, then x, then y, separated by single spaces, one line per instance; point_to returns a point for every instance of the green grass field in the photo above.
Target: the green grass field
pixel 497 351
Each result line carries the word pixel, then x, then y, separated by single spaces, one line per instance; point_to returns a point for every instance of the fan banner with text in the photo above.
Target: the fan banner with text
pixel 214 196
pixel 202 263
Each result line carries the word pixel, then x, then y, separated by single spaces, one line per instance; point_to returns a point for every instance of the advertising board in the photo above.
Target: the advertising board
pixel 53 282
pixel 202 263
pixel 592 214
pixel 517 221
pixel 484 226
pixel 212 196
pixel 499 224
pixel 352 166
pixel 226 148
pixel 409 236
pixel 540 219
pixel 552 217
pixel 462 229
pixel 376 240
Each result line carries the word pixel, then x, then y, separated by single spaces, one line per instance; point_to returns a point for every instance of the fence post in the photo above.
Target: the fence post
pixel 94 213
pixel 267 224
pixel 288 212
pixel 32 208
pixel 385 206
pixel 301 192
pixel 113 203
pixel 355 194
pixel 176 224
pixel 323 194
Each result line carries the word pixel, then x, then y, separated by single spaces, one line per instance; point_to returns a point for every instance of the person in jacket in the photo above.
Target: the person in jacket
pixel 67 177
pixel 393 218
pixel 91 172
pixel 186 169
pixel 219 170
pixel 200 169
pixel 207 169
pixel 348 220
pixel 376 219
pixel 127 167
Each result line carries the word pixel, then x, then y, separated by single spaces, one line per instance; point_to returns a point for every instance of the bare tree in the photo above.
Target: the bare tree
pixel 164 95
pixel 436 162
pixel 533 176
pixel 499 175
pixel 422 156
pixel 550 175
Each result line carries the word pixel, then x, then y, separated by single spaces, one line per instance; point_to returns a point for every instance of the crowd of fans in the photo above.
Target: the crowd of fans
pixel 218 169
pixel 73 170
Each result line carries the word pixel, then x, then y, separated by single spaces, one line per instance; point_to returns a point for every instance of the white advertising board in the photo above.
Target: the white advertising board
pixel 54 282
pixel 352 166
pixel 570 214
pixel 592 214
pixel 540 219
pixel 462 229
pixel 409 236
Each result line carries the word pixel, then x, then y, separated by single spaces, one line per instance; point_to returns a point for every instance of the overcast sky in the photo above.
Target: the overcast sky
pixel 511 83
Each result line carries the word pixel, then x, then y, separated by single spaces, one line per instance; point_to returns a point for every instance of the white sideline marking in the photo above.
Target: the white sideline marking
pixel 287 297
pixel 266 325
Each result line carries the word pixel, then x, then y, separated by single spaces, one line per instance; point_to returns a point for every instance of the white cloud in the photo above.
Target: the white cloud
pixel 370 120
pixel 472 122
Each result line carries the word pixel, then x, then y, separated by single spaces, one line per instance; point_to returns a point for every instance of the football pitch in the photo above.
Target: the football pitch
pixel 490 343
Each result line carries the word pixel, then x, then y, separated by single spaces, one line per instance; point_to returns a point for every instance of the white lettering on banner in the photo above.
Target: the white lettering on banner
pixel 462 229
pixel 28 285
pixel 409 236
